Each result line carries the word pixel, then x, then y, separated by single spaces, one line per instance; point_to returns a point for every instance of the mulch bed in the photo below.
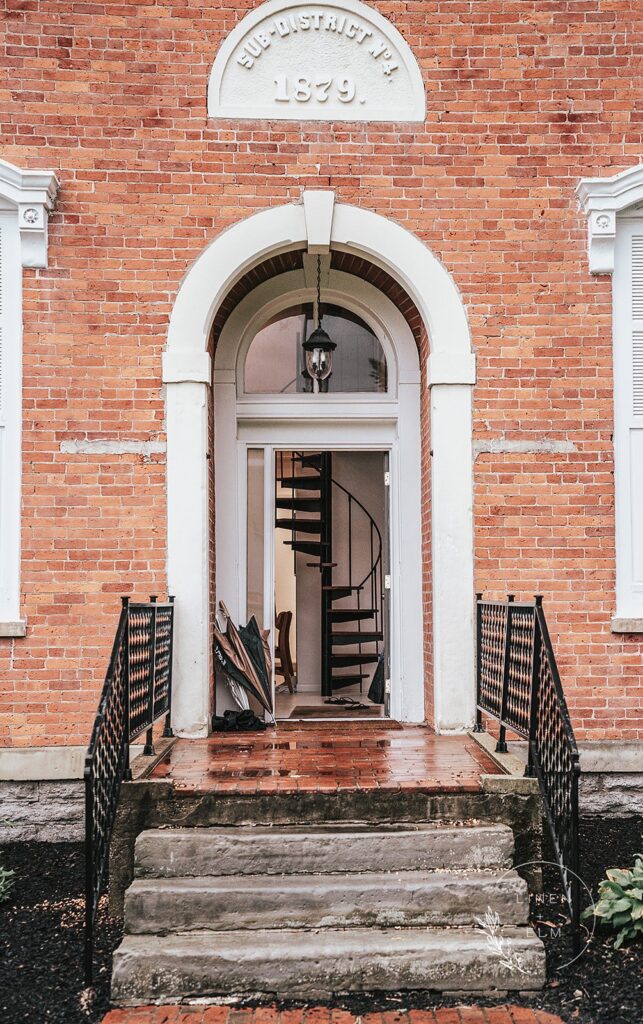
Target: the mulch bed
pixel 41 932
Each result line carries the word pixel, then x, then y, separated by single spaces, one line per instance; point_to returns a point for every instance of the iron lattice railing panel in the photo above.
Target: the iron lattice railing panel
pixel 556 764
pixel 141 667
pixel 519 668
pixel 163 661
pixel 106 765
pixel 518 684
pixel 137 691
pixel 492 629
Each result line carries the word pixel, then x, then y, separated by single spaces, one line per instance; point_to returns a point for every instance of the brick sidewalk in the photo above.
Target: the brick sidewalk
pixel 323 1015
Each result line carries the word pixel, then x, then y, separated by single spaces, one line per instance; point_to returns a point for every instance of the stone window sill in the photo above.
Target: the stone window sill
pixel 627 625
pixel 13 629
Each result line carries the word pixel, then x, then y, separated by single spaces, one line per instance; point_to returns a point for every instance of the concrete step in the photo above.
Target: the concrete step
pixel 336 848
pixel 371 899
pixel 319 964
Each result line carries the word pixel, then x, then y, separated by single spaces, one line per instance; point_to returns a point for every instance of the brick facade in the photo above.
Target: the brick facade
pixel 523 99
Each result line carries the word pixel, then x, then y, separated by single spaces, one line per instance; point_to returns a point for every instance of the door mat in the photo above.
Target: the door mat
pixel 334 711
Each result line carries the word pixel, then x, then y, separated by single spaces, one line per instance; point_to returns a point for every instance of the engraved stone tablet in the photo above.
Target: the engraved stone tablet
pixel 316 61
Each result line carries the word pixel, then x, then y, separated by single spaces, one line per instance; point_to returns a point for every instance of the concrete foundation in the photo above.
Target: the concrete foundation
pixel 44 812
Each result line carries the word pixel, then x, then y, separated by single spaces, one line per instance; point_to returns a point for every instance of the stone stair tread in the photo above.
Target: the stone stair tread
pixel 320 962
pixel 353 899
pixel 273 850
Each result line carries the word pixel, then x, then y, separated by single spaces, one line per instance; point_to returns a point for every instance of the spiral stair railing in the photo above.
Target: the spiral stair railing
pixel 366 588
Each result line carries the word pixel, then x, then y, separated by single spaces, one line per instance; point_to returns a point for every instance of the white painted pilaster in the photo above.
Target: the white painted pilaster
pixel 452 548
pixel 188 554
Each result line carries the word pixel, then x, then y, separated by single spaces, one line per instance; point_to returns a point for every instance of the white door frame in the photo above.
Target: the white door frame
pixel 320 223
pixel 339 422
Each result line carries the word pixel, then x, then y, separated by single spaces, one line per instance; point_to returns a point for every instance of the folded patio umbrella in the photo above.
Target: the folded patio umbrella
pixel 256 644
pixel 244 663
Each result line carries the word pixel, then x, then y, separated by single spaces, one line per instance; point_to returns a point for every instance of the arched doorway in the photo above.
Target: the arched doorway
pixel 386 421
pixel 390 423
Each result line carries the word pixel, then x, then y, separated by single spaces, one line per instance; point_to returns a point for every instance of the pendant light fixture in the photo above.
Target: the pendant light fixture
pixel 318 348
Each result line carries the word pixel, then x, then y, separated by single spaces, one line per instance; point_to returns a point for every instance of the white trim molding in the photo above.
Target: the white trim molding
pixel 403 256
pixel 614 208
pixel 601 199
pixel 336 61
pixel 342 422
pixel 32 194
pixel 26 199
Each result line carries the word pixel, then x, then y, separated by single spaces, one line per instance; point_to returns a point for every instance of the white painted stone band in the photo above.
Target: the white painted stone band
pixel 100 446
pixel 499 446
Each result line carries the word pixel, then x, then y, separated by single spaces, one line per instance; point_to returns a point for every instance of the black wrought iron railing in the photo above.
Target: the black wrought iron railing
pixel 136 693
pixel 518 684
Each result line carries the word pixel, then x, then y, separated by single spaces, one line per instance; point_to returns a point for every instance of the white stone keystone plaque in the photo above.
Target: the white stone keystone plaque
pixel 316 62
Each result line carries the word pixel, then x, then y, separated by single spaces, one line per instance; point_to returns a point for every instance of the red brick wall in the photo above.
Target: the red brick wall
pixel 523 98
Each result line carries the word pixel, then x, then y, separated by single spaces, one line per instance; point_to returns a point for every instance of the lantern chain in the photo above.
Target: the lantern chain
pixel 319 307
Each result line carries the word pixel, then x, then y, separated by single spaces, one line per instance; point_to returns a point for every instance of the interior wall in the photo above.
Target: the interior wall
pixel 286 586
pixel 308 630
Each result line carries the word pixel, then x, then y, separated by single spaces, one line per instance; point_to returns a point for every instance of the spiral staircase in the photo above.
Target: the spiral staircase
pixel 352 599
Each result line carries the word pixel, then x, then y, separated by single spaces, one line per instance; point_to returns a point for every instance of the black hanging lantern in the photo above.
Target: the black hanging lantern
pixel 318 347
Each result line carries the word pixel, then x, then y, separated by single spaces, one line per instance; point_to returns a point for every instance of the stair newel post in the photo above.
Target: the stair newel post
pixel 167 728
pixel 127 771
pixel 536 654
pixel 326 555
pixel 148 749
pixel 575 858
pixel 501 745
pixel 479 596
pixel 89 871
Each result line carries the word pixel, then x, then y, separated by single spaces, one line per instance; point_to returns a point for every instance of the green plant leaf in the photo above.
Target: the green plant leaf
pixel 618 875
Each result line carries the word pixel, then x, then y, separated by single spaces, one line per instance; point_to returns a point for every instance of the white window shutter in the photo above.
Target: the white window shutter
pixel 628 417
pixel 10 415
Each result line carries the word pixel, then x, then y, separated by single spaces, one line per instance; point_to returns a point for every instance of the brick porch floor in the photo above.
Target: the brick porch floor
pixel 327 757
pixel 323 1015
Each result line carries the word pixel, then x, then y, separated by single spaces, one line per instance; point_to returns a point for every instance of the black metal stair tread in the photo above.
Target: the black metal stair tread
pixel 352 614
pixel 306 547
pixel 299 525
pixel 338 592
pixel 309 460
pixel 339 682
pixel 353 637
pixel 299 504
pixel 338 660
pixel 301 483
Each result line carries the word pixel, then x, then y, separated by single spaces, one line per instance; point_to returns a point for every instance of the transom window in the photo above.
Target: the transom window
pixel 275 361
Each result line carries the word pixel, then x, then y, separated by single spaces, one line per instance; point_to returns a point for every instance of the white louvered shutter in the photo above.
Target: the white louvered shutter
pixel 628 420
pixel 10 414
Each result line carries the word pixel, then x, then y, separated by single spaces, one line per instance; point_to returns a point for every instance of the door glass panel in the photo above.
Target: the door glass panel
pixel 275 364
pixel 255 535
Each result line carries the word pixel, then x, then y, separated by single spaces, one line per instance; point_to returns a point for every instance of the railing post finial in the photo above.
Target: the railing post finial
pixel 538 598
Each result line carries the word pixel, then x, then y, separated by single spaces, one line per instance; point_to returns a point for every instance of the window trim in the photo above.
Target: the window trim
pixel 26 199
pixel 612 205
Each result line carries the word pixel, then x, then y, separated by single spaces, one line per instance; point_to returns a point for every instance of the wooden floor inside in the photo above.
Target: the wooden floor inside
pixel 323 757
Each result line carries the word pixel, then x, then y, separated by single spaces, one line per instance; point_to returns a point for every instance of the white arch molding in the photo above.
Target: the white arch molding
pixel 319 223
